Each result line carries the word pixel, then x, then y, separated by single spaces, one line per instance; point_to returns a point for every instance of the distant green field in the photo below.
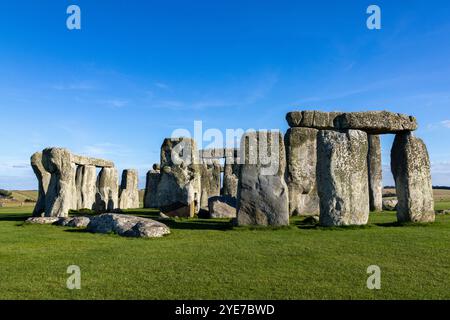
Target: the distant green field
pixel 209 259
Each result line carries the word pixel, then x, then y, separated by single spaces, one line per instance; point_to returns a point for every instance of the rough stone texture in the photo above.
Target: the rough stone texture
pixel 442 212
pixel 373 122
pixel 222 207
pixel 86 184
pixel 301 157
pixel 61 193
pixel 43 220
pixel 107 197
pixel 151 189
pixel 129 190
pixel 342 177
pixel 375 173
pixel 129 226
pixel 210 181
pixel 263 193
pixel 87 161
pixel 75 222
pixel 390 204
pixel 410 165
pixel 231 177
pixel 180 181
pixel 43 182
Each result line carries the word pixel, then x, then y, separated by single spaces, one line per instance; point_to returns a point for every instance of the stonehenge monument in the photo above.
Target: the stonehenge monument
pixel 343 140
pixel 69 182
pixel 327 164
pixel 263 192
pixel 129 190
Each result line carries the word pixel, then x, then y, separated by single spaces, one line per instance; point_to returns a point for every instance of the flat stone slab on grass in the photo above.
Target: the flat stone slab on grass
pixel 128 226
pixel 42 220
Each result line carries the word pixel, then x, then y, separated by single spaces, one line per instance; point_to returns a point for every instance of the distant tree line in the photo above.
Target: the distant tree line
pixel 5 193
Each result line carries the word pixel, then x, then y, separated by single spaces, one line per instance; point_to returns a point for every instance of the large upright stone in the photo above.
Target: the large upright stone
pixel 231 177
pixel 263 193
pixel 86 184
pixel 151 189
pixel 210 181
pixel 61 193
pixel 375 173
pixel 342 178
pixel 129 190
pixel 410 165
pixel 179 189
pixel 301 156
pixel 107 198
pixel 43 182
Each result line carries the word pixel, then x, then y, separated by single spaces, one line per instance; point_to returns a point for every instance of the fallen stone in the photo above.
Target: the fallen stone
pixel 342 178
pixel 179 210
pixel 263 193
pixel 442 212
pixel 410 165
pixel 390 204
pixel 75 222
pixel 301 157
pixel 42 220
pixel 129 226
pixel 222 207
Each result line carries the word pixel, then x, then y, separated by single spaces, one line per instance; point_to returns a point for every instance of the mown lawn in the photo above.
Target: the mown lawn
pixel 208 259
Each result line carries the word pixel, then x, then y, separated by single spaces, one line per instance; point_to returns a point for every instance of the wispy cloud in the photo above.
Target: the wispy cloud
pixel 446 123
pixel 77 86
pixel 115 103
pixel 162 85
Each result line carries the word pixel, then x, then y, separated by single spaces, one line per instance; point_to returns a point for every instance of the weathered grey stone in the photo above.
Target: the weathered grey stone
pixel 107 197
pixel 375 173
pixel 410 165
pixel 301 156
pixel 75 222
pixel 342 178
pixel 129 190
pixel 180 183
pixel 43 220
pixel 377 122
pixel 442 212
pixel 151 189
pixel 86 184
pixel 222 207
pixel 231 177
pixel 263 193
pixel 129 226
pixel 210 181
pixel 43 182
pixel 61 193
pixel 87 161
pixel 156 167
pixel 373 122
pixel 390 204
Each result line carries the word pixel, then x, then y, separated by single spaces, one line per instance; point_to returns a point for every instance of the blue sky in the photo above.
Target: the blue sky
pixel 140 69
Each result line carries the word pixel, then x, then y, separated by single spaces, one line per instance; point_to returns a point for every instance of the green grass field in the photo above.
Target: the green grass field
pixel 209 259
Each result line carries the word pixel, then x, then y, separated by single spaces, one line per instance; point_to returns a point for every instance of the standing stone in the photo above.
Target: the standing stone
pixel 210 181
pixel 179 189
pixel 129 190
pixel 107 198
pixel 151 188
pixel 375 173
pixel 231 177
pixel 86 183
pixel 43 182
pixel 410 165
pixel 301 156
pixel 61 193
pixel 342 177
pixel 263 193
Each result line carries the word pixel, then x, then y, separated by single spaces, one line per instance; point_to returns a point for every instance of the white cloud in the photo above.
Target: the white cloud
pixel 446 123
